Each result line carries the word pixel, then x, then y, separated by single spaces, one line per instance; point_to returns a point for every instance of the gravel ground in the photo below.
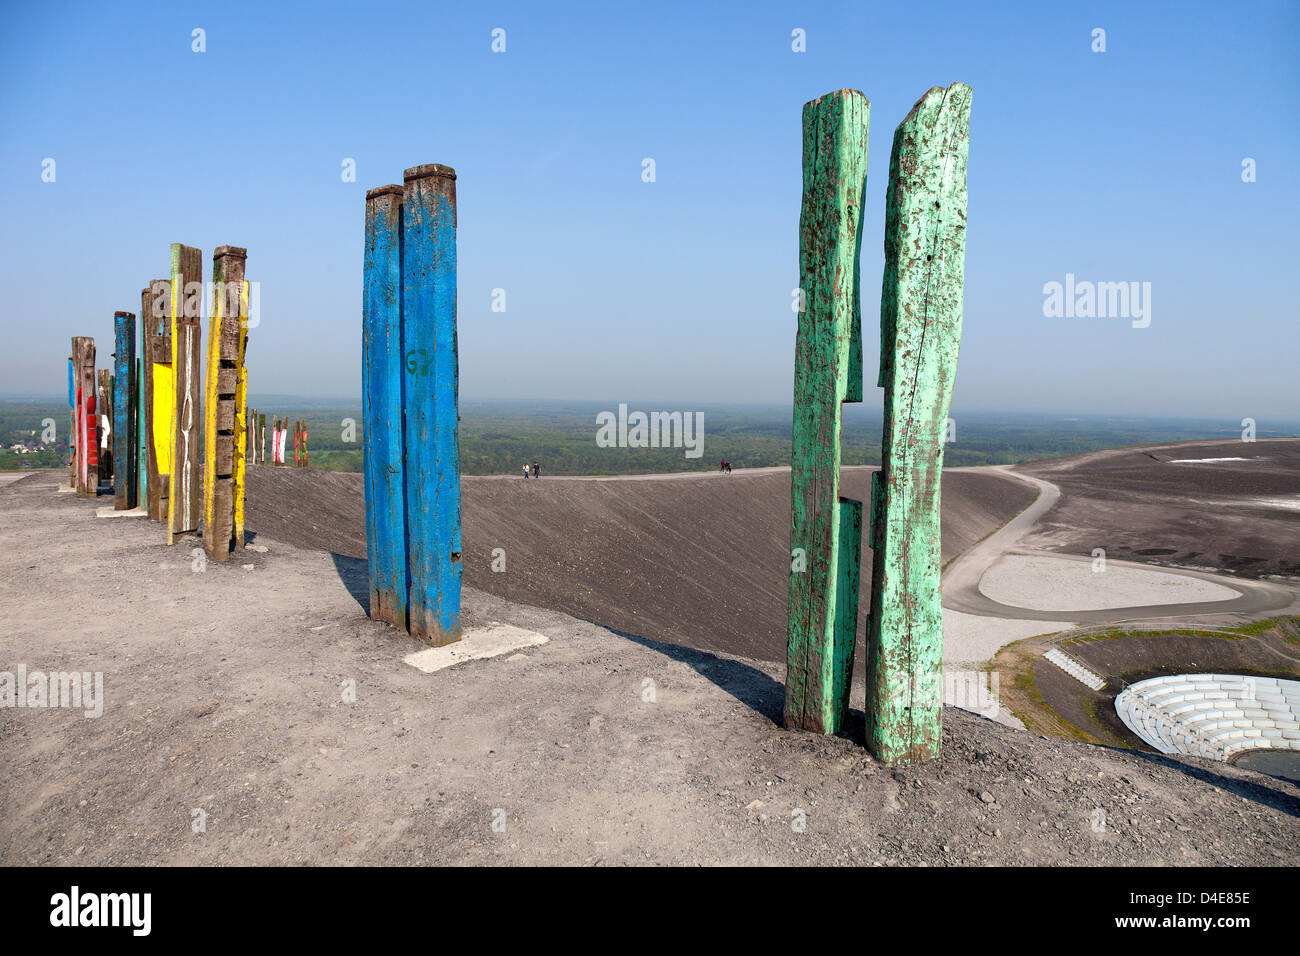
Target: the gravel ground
pixel 226 692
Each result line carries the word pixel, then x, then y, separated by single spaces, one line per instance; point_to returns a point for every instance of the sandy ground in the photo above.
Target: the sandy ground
pixel 227 700
pixel 1051 584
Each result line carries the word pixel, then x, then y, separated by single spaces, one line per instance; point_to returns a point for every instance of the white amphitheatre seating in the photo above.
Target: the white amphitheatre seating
pixel 1213 715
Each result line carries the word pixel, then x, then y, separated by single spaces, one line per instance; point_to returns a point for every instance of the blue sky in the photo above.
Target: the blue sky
pixel 1116 166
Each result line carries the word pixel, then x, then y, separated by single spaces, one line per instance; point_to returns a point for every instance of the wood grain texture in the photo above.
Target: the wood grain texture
pixel 221 386
pixel 822 625
pixel 159 396
pixel 125 483
pixel 85 446
pixel 141 443
pixel 186 306
pixel 104 426
pixel 238 478
pixel 432 381
pixel 72 424
pixel 382 382
pixel 920 336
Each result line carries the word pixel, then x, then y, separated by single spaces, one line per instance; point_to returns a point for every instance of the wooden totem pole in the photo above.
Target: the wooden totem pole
pixel 104 425
pixel 125 482
pixel 159 395
pixel 223 424
pixel 72 424
pixel 186 306
pixel 825 529
pixel 86 447
pixel 411 395
pixel 381 373
pixel 920 334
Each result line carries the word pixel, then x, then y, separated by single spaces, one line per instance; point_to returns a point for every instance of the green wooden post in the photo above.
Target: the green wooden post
pixel 825 529
pixel 920 334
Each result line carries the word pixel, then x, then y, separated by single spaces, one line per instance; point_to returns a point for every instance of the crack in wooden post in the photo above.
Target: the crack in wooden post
pixel 226 327
pixel 382 382
pixel 85 445
pixel 104 427
pixel 920 336
pixel 186 305
pixel 431 393
pixel 825 529
pixel 159 394
pixel 125 482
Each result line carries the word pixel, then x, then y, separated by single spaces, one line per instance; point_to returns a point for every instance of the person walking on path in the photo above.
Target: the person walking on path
pixel 525 471
pixel 537 470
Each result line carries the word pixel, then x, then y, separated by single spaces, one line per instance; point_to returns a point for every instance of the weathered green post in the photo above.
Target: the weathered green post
pixel 825 529
pixel 920 333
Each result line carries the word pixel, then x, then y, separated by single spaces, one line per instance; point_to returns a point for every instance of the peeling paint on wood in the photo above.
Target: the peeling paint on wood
pixel 125 484
pixel 825 529
pixel 86 447
pixel 221 400
pixel 920 335
pixel 186 299
pixel 432 380
pixel 382 379
pixel 159 397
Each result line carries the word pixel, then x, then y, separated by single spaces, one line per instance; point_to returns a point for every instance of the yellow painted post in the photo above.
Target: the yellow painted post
pixel 222 401
pixel 241 422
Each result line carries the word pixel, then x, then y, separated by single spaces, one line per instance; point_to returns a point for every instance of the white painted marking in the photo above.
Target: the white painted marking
pixel 475 644
pixel 1200 461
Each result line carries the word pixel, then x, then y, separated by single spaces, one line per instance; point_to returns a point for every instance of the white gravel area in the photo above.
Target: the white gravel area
pixel 971 639
pixel 1055 584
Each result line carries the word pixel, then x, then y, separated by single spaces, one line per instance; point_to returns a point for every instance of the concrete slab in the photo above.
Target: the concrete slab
pixel 477 643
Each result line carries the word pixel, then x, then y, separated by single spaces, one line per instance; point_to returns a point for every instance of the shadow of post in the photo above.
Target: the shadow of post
pixel 754 688
pixel 355 576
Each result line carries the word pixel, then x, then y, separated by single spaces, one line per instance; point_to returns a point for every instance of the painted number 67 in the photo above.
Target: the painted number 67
pixel 418 361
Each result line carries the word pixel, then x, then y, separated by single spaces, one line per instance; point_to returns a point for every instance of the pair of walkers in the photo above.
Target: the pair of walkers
pixel 536 473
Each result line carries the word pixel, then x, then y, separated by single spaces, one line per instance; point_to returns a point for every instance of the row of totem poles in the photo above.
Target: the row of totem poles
pixel 278 435
pixel 177 440
pixel 411 383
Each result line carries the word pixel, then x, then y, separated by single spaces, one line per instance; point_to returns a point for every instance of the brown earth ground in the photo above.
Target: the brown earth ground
pixel 1139 504
pixel 1048 700
pixel 695 560
pixel 223 694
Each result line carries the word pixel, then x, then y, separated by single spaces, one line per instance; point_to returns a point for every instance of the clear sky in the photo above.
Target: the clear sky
pixel 1117 166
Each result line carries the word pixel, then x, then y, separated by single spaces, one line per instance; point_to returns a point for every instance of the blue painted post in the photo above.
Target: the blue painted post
pixel 72 430
pixel 124 437
pixel 432 386
pixel 382 380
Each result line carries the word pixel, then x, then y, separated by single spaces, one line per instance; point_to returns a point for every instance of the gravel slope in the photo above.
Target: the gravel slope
pixel 223 695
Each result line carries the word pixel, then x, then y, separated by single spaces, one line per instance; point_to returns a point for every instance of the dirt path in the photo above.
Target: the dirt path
pixel 224 693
